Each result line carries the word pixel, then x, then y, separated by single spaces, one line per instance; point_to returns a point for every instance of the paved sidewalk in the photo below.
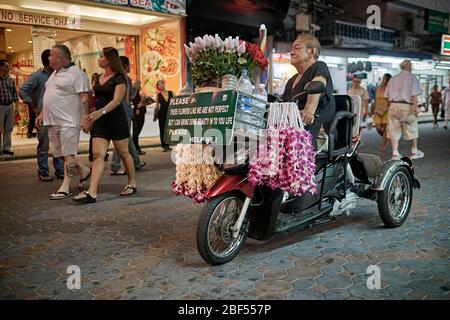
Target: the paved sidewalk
pixel 144 246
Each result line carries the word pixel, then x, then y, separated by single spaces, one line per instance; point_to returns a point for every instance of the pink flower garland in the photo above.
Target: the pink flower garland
pixel 285 160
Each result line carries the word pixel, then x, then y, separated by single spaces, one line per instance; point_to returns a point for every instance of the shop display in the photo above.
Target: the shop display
pixel 285 159
pixel 160 57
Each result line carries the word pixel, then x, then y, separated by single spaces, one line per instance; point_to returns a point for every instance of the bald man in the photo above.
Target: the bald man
pixel 402 91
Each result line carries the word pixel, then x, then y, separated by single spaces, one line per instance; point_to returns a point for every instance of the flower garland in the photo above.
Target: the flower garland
pixel 286 159
pixel 195 171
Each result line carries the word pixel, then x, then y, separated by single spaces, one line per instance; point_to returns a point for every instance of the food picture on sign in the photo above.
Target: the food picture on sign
pixel 160 57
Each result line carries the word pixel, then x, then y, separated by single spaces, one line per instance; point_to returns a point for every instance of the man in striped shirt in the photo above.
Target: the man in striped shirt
pixel 8 98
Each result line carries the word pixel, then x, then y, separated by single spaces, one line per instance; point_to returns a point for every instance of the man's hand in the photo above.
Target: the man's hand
pixel 307 117
pixel 38 121
pixel 85 125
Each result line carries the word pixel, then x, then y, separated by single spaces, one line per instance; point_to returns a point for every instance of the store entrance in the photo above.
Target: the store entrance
pixel 24 44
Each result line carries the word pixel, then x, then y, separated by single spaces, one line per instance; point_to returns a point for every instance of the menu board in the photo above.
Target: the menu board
pixel 201 118
pixel 160 57
pixel 42 39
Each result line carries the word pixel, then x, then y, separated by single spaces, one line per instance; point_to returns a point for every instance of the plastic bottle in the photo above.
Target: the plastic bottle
pixel 261 94
pixel 244 85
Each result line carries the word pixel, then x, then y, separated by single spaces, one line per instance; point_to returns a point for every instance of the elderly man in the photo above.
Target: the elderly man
pixel 316 109
pixel 402 92
pixel 31 93
pixel 65 108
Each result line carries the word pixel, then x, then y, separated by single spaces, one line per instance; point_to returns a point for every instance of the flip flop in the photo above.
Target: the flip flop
pixel 83 180
pixel 60 195
pixel 118 173
pixel 84 197
pixel 128 187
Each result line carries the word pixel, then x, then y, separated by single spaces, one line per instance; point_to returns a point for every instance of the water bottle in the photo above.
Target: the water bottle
pixel 244 85
pixel 261 94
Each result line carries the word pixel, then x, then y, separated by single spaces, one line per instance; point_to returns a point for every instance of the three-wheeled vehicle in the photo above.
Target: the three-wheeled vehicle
pixel 234 210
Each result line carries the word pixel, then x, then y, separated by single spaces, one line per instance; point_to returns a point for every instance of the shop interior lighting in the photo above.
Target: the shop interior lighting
pixel 384 59
pixel 332 65
pixel 29 41
pixel 444 62
pixel 442 67
pixel 9 47
pixel 9 30
pixel 118 16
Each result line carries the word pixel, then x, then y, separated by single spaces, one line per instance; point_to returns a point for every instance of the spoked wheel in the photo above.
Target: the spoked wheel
pixel 215 240
pixel 394 202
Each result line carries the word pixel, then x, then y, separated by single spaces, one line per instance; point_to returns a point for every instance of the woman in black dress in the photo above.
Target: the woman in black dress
pixel 109 122
pixel 162 106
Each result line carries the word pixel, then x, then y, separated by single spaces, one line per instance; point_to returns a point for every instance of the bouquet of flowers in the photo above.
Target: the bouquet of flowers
pixel 195 171
pixel 211 57
pixel 286 159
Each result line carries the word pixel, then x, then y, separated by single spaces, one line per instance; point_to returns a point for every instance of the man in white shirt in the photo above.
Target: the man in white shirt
pixel 402 91
pixel 65 108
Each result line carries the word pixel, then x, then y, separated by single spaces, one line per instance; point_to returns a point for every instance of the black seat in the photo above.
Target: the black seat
pixel 341 127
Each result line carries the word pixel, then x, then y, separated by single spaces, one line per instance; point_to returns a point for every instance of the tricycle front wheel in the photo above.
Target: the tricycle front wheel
pixel 215 240
pixel 394 202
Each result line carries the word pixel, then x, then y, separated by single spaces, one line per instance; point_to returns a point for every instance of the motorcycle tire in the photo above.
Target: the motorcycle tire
pixel 394 202
pixel 215 241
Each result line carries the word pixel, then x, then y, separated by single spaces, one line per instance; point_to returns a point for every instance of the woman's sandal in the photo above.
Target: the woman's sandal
pixel 125 192
pixel 84 197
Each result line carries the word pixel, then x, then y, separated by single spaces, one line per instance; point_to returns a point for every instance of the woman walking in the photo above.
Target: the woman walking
pixel 109 122
pixel 436 101
pixel 162 106
pixel 381 106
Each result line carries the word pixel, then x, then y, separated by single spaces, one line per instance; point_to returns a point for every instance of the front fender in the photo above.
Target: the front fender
pixel 230 182
pixel 388 168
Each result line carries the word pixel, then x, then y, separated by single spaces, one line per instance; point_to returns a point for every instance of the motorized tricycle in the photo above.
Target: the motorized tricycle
pixel 235 210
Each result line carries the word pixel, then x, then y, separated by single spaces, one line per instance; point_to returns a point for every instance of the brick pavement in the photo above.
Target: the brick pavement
pixel 143 247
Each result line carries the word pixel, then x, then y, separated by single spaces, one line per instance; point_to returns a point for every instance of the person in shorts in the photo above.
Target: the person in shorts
pixel 65 108
pixel 402 91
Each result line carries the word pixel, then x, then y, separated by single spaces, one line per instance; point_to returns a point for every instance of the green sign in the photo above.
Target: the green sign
pixel 436 21
pixel 201 118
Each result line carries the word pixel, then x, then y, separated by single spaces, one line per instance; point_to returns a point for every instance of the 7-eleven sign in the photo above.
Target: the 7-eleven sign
pixel 445 45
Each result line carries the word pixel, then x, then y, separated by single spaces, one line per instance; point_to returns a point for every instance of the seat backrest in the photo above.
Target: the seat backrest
pixel 357 105
pixel 344 127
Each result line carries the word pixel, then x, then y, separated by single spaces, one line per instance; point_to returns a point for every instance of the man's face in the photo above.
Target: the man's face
pixel 356 82
pixel 299 52
pixel 56 60
pixel 5 68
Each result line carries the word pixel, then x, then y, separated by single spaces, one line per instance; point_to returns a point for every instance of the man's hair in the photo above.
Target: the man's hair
pixel 405 64
pixel 311 42
pixel 125 61
pixel 2 62
pixel 44 57
pixel 64 51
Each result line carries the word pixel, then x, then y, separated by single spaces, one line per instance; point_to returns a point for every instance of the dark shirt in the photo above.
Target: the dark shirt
pixel 32 90
pixel 326 107
pixel 436 97
pixel 163 105
pixel 8 92
pixel 104 94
